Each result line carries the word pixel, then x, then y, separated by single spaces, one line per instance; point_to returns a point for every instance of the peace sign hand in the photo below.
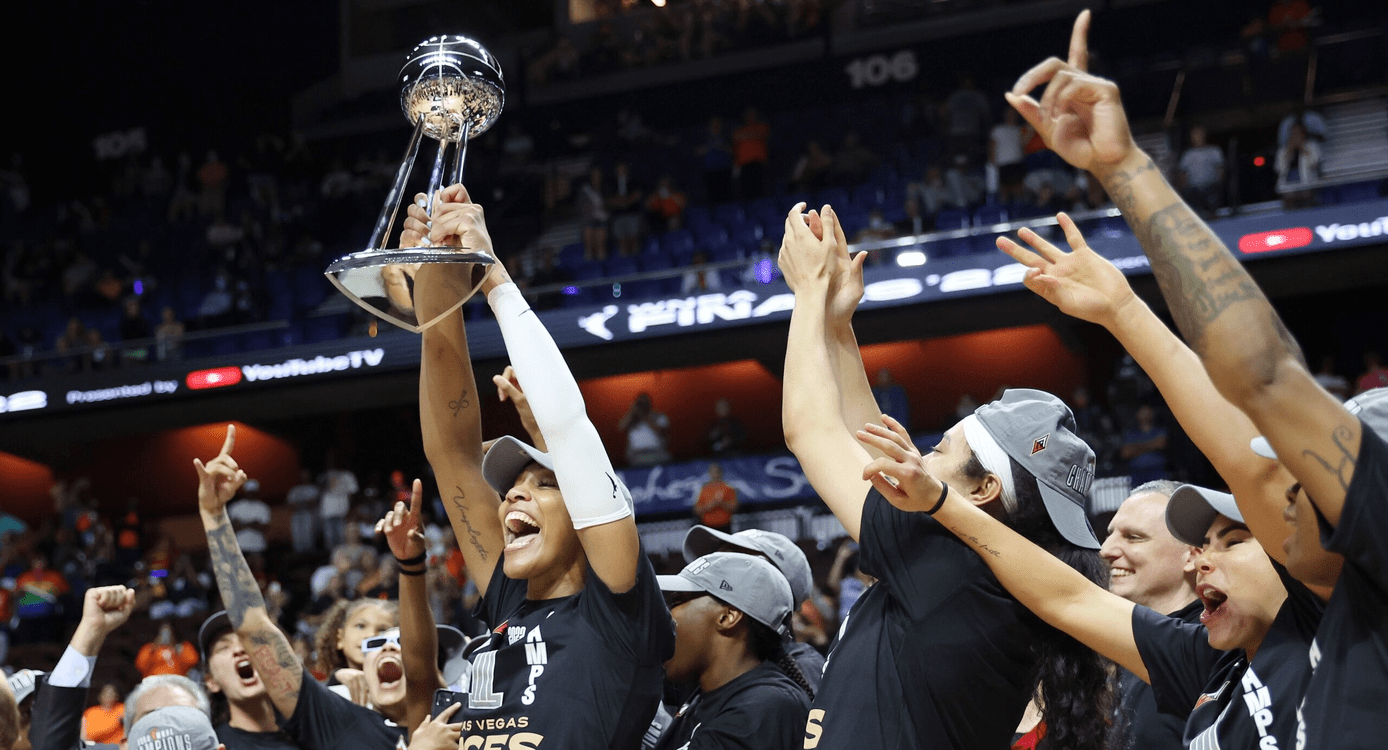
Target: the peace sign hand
pixel 403 528
pixel 1082 283
pixel 220 478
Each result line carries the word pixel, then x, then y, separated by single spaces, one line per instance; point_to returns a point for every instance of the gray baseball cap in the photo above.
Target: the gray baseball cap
pixel 1037 430
pixel 182 727
pixel 778 548
pixel 1371 407
pixel 1192 509
pixel 749 583
pixel 508 457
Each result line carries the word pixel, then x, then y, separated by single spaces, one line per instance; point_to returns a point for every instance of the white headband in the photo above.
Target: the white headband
pixel 994 459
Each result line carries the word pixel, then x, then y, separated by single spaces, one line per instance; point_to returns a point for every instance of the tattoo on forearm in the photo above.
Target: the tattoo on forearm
pixel 1198 276
pixel 275 662
pixel 975 542
pixel 472 533
pixel 1343 466
pixel 240 591
pixel 460 403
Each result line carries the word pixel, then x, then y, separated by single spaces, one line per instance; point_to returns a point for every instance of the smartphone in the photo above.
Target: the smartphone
pixel 444 698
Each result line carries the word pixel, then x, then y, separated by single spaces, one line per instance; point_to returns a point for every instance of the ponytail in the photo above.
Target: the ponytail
pixel 768 645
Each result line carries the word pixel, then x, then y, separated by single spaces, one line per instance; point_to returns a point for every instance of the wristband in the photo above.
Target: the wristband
pixel 418 559
pixel 943 493
pixel 419 572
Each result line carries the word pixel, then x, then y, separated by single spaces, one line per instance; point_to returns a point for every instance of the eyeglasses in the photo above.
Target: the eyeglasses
pixel 378 642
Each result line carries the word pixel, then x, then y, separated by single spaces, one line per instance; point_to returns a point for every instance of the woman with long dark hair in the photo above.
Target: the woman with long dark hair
pixel 937 653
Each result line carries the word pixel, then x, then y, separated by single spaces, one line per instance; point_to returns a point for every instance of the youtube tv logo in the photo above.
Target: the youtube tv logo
pixel 219 377
pixel 1278 239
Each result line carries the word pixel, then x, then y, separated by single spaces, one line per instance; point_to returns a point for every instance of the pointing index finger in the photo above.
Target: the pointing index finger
pixel 1079 41
pixel 230 441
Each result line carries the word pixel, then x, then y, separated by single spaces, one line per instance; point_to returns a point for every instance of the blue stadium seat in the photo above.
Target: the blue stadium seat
pixel 726 253
pixel 708 235
pixel 834 196
pixel 571 256
pixel 325 328
pixel 748 233
pixel 986 215
pixel 952 218
pixel 618 266
pixel 729 213
pixel 656 263
pixel 676 239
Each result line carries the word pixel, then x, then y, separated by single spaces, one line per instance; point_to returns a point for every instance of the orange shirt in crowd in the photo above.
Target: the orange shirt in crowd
pixel 103 726
pixel 1295 37
pixel 749 143
pixel 716 504
pixel 166 658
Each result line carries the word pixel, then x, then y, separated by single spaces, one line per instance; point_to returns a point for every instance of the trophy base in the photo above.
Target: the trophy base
pixel 382 281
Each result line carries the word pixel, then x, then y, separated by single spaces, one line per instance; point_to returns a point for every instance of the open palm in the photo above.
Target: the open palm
pixel 1082 283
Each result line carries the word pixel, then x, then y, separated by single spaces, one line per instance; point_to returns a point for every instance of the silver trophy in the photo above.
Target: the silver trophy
pixel 451 89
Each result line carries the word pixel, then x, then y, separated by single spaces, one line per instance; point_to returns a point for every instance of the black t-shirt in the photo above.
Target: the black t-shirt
pixel 1140 725
pixel 324 720
pixel 759 710
pixel 935 654
pixel 240 739
pixel 1347 699
pixel 811 662
pixel 1230 702
pixel 581 671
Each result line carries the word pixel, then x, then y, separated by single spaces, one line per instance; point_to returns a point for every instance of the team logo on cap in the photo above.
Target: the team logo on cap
pixel 1039 444
pixel 725 586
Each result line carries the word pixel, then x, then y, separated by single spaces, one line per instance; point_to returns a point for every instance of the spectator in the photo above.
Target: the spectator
pixel 698 279
pixel 549 274
pixel 164 655
pixel 968 115
pixel 666 205
pixel 339 485
pixel 1092 424
pixel 716 160
pixel 717 501
pixel 1005 156
pixel 726 435
pixel 847 581
pixel 647 432
pixel 1201 175
pixel 965 181
pixel 1144 447
pixel 212 184
pixel 934 194
pixel 592 210
pixel 915 222
pixel 102 723
pixel 338 566
pixel 892 399
pixel 303 503
pixel 811 170
pixel 1298 163
pixel 1310 120
pixel 1334 383
pixel 169 333
pixel 250 518
pixel 853 161
pixel 878 228
pixel 1375 374
pixel 40 590
pixel 134 327
pixel 625 203
pixel 1289 19
pixel 751 154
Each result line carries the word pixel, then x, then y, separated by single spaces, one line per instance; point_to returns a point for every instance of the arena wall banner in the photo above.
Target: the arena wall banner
pixel 1251 238
pixel 758 480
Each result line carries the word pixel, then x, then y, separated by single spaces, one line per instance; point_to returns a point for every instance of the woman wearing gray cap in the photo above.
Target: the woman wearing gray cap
pixel 1238 676
pixel 937 653
pixel 578 628
pixel 731 611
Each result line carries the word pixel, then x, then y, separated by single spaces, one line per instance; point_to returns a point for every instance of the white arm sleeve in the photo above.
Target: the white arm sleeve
pixel 580 462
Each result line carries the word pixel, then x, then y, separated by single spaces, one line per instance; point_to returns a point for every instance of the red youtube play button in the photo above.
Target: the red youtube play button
pixel 1278 239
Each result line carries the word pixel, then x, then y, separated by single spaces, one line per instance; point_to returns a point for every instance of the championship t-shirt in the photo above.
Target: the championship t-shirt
pixel 1232 703
pixel 1347 700
pixel 936 654
pixel 240 739
pixel 1140 725
pixel 759 710
pixel 324 720
pixel 581 671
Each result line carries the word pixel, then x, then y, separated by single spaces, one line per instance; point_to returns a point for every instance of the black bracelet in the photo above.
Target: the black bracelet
pixel 419 572
pixel 943 492
pixel 418 559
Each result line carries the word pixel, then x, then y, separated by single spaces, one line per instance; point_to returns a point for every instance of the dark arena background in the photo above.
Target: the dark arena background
pixel 177 176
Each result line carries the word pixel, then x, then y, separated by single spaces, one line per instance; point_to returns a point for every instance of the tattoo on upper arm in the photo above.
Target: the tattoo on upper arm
pixel 1341 466
pixel 240 591
pixel 460 403
pixel 472 533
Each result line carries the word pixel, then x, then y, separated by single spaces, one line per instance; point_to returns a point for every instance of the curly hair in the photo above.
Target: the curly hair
pixel 328 657
pixel 1072 681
